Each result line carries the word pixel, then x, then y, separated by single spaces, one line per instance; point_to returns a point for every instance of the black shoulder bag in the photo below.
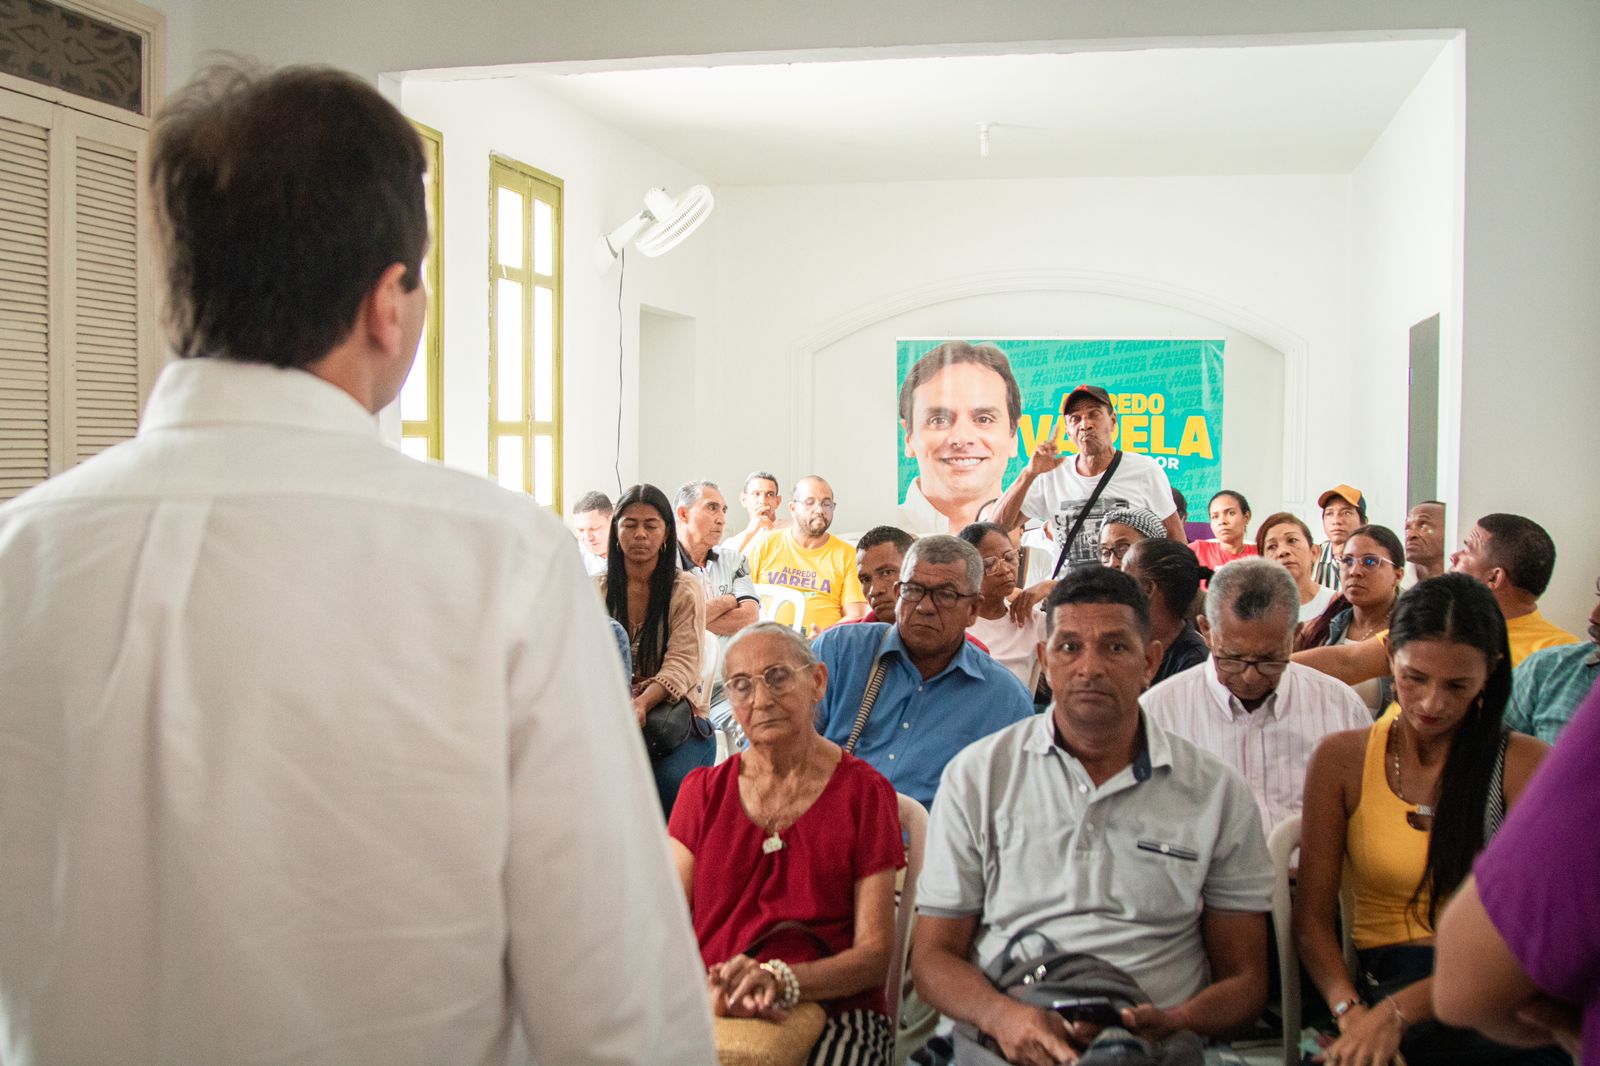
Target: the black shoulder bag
pixel 1083 514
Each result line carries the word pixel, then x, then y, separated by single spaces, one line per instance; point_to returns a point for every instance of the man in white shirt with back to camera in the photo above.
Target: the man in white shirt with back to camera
pixel 310 752
pixel 1249 705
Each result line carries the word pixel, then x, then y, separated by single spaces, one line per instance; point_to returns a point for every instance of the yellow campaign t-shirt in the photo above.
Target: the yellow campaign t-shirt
pixel 826 576
pixel 1528 633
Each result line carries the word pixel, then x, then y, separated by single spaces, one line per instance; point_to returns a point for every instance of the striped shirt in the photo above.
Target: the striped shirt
pixel 1269 747
pixel 1326 572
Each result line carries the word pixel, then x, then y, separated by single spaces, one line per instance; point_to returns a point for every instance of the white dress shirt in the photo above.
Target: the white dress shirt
pixel 1271 746
pixel 314 753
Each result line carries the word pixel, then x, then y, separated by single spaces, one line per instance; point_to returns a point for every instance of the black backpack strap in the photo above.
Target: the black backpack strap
pixel 869 695
pixel 1083 514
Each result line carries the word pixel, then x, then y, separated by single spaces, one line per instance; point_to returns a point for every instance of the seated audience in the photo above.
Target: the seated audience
pixel 731 600
pixel 807 558
pixel 1519 955
pixel 1397 813
pixel 1287 540
pixel 591 521
pixel 879 553
pixel 1230 523
pixel 1548 685
pixel 1169 576
pixel 788 852
pixel 938 693
pixel 1424 532
pixel 1372 565
pixel 1510 554
pixel 1250 706
pixel 1343 509
pixel 1014 646
pixel 760 500
pixel 1515 557
pixel 664 611
pixel 1095 827
pixel 1124 527
pixel 1055 485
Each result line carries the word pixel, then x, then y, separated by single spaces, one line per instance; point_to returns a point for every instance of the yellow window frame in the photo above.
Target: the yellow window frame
pixel 431 354
pixel 531 184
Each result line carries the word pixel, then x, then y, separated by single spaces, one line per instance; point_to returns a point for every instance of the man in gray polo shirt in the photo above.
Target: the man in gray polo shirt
pixel 1096 828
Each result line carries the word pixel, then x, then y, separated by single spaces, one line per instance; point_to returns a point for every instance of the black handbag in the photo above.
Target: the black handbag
pixel 666 727
pixel 1052 975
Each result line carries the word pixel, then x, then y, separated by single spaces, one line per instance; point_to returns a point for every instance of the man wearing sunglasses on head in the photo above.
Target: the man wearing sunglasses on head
pixel 936 693
pixel 1250 706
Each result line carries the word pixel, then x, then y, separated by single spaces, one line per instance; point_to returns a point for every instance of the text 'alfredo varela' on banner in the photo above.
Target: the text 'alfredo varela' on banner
pixel 1167 395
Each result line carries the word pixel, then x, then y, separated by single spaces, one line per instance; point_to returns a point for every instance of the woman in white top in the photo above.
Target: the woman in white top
pixel 1013 646
pixel 1286 539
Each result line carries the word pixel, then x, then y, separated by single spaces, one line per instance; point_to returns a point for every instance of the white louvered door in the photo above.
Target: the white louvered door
pixel 77 342
pixel 103 263
pixel 24 296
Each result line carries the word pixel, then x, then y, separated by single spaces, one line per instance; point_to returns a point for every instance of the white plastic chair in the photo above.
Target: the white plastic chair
pixel 1281 845
pixel 773 597
pixel 914 823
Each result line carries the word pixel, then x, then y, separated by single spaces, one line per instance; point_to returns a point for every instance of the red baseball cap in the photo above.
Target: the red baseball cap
pixel 1091 392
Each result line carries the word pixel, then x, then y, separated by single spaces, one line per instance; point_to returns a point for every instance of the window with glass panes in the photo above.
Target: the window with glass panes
pixel 525 330
pixel 422 396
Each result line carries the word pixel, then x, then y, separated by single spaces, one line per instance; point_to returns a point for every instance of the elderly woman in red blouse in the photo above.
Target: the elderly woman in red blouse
pixel 788 852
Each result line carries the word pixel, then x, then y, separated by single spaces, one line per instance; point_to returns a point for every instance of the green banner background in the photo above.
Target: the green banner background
pixel 1183 378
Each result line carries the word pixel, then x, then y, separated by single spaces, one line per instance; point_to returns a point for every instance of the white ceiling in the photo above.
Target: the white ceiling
pixel 1279 109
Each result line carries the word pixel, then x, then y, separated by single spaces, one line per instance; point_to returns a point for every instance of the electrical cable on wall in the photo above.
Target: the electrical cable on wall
pixel 622 272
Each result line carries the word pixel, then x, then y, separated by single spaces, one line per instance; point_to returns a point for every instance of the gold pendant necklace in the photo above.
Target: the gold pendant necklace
pixel 1423 809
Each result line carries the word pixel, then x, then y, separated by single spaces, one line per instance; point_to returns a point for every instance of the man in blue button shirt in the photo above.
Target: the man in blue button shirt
pixel 939 693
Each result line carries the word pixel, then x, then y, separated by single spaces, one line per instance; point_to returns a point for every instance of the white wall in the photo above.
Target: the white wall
pixel 605 175
pixel 816 282
pixel 1405 209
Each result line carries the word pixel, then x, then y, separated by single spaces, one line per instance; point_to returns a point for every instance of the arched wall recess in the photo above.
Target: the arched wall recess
pixel 1294 348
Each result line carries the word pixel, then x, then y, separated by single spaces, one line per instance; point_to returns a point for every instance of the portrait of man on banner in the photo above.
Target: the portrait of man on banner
pixel 972 412
pixel 959 408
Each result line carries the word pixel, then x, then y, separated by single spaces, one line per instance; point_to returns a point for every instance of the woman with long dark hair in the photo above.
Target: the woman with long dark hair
pixel 1397 813
pixel 663 609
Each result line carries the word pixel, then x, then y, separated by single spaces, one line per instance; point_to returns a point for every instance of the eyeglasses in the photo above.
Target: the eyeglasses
pixel 816 505
pixel 1366 562
pixel 990 562
pixel 779 680
pixel 943 596
pixel 1265 667
pixel 1114 553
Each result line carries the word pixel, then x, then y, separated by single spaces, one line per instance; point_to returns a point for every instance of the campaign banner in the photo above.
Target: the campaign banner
pixel 955 425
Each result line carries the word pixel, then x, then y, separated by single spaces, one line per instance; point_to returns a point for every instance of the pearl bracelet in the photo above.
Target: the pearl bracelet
pixel 788 984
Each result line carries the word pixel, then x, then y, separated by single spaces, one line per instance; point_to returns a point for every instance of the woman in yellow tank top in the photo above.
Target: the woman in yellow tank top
pixel 1396 813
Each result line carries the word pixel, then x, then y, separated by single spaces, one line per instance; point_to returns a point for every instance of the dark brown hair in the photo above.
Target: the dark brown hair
pixel 952 353
pixel 1278 519
pixel 280 199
